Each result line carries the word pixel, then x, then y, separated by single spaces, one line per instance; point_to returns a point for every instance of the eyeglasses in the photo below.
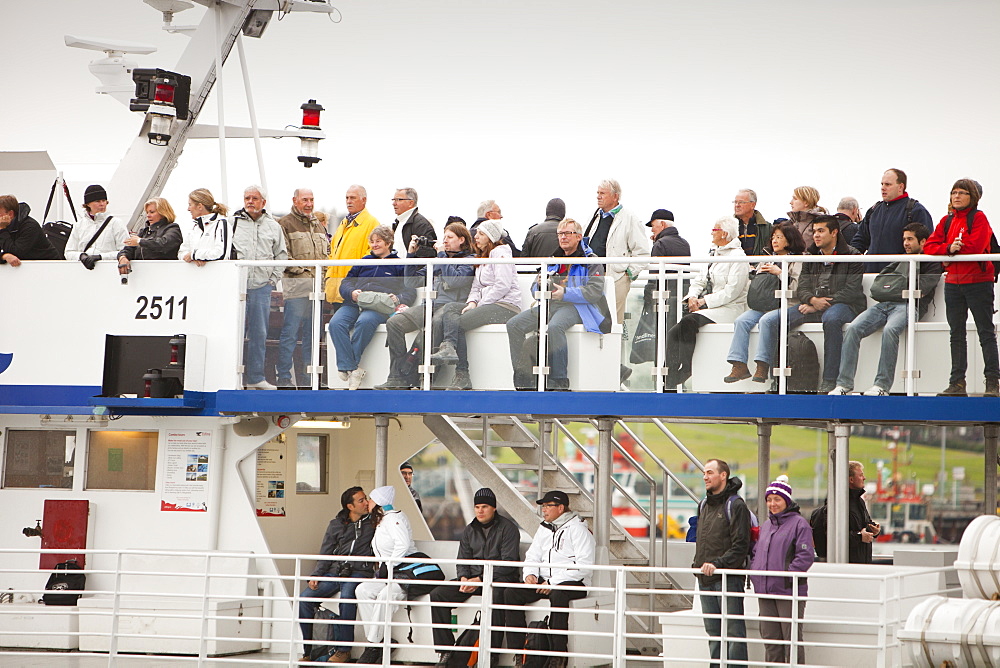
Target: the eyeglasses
pixel 717 229
pixel 739 201
pixel 402 199
pixel 959 192
pixel 566 234
pixel 550 505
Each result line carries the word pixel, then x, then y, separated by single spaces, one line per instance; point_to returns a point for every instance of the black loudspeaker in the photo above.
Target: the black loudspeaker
pixel 128 358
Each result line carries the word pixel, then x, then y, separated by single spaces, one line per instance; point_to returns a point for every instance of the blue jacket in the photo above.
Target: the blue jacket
pixel 378 278
pixel 584 285
pixel 452 282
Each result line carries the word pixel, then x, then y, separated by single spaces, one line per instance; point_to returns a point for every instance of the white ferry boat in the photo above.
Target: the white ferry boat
pixel 195 506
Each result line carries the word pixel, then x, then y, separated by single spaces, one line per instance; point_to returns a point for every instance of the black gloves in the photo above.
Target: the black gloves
pixel 89 261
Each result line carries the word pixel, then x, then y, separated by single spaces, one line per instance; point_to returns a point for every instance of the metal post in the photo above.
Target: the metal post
pixel 763 465
pixel 991 432
pixel 381 449
pixel 602 493
pixel 837 538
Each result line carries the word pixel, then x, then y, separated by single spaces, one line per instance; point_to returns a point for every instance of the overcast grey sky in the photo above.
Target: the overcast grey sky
pixel 682 102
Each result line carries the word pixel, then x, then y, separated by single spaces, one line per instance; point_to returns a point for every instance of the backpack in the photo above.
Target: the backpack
pixel 754 524
pixel 994 246
pixel 469 638
pixel 64 580
pixel 817 520
pixel 322 640
pixel 537 642
pixel 803 360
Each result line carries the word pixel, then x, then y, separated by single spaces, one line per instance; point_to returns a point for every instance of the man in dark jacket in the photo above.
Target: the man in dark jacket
pixel 889 312
pixel 489 537
pixel 577 297
pixel 410 223
pixel 667 242
pixel 541 240
pixel 828 292
pixel 881 231
pixel 861 531
pixel 755 231
pixel 348 534
pixel 723 541
pixel 21 237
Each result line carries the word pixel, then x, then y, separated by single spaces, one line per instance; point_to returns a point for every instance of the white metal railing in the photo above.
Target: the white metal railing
pixel 868 605
pixel 664 271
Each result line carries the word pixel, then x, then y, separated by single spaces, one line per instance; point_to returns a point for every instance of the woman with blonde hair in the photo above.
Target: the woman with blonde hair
pixel 805 208
pixel 160 239
pixel 210 238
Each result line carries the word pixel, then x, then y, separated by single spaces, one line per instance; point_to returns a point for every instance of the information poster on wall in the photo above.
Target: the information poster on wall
pixel 271 466
pixel 185 485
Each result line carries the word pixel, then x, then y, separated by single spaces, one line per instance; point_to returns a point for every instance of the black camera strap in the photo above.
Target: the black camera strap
pixel 104 225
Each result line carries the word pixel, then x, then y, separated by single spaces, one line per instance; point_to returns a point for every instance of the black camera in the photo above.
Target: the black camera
pixel 425 242
pixel 822 291
pixel 344 569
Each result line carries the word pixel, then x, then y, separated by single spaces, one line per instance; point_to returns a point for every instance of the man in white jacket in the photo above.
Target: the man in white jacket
pixel 565 543
pixel 92 239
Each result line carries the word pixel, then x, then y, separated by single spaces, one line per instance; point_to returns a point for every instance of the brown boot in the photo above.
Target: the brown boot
pixel 739 372
pixel 992 387
pixel 760 374
pixel 955 389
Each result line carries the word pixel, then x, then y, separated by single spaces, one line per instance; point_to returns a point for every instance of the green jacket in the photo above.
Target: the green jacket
pixel 762 241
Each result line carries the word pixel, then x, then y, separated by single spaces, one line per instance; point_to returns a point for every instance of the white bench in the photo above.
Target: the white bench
pixel 150 596
pixel 594 359
pixel 19 622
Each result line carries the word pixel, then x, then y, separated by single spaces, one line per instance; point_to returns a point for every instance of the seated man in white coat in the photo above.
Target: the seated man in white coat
pixel 565 543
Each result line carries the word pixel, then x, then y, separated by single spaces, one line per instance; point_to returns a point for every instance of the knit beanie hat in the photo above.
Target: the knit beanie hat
pixel 94 193
pixel 492 229
pixel 485 495
pixel 781 488
pixel 556 208
pixel 383 496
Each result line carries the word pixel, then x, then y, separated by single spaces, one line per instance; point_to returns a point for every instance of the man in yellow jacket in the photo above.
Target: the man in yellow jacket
pixel 350 241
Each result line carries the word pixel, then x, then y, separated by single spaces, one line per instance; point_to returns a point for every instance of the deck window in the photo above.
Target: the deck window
pixel 310 464
pixel 122 460
pixel 39 458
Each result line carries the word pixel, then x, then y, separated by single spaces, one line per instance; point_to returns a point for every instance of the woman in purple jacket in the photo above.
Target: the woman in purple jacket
pixel 785 544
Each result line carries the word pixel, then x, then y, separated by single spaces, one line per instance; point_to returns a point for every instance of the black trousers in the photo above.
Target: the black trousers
pixel 680 347
pixel 558 620
pixel 441 614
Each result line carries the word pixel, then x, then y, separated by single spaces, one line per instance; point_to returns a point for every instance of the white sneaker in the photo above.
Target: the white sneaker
pixel 838 391
pixel 875 391
pixel 262 385
pixel 356 376
pixel 344 375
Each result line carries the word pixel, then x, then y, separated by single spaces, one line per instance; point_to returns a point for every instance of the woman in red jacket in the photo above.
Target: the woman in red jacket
pixel 968 285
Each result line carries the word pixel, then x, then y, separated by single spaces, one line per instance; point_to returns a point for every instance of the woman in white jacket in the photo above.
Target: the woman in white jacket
pixel 211 237
pixel 717 294
pixel 84 243
pixel 393 539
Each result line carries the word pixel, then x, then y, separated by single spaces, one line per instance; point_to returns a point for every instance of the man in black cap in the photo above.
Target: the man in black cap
pixel 541 240
pixel 97 234
pixel 489 537
pixel 565 543
pixel 406 469
pixel 667 242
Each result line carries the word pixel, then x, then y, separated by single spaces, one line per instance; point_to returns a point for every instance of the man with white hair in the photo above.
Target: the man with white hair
pixel 411 223
pixel 490 210
pixel 350 240
pixel 849 213
pixel 305 239
pixel 257 236
pixel 755 232
pixel 615 231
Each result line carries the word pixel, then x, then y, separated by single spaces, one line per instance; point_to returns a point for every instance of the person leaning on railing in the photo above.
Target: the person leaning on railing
pixel 21 237
pixel 785 240
pixel 495 298
pixel 785 544
pixel 717 294
pixel 159 239
pixel 968 286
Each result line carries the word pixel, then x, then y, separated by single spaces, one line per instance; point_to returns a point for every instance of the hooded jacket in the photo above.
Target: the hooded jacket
pixel 378 278
pixel 159 241
pixel 803 222
pixel 496 283
pixel 344 537
pixel 541 240
pixel 728 282
pixel 350 241
pixel 261 239
pixel 108 244
pixel 500 540
pixel 584 285
pixel 723 542
pixel 976 241
pixel 840 280
pixel 305 239
pixel 24 238
pixel 785 544
pixel 566 545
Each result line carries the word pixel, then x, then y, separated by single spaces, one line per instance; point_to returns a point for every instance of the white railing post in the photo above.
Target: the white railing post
pixel 206 592
pixel 427 369
pixel 486 617
pixel 115 611
pixel 542 367
pixel 294 619
pixel 619 645
pixel 316 330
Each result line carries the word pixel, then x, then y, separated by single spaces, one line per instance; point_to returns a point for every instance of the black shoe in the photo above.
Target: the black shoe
pixel 371 655
pixel 955 389
pixel 624 373
pixel 826 387
pixel 395 383
pixel 992 387
pixel 557 385
pixel 443 659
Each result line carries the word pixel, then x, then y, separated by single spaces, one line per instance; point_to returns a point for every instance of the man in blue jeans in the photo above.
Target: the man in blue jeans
pixel 348 534
pixel 889 312
pixel 722 541
pixel 828 292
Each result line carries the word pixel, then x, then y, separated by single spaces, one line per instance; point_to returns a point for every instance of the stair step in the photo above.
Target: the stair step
pixel 524 467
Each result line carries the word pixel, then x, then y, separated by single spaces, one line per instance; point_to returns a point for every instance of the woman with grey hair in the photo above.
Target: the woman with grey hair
pixel 717 294
pixel 371 292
